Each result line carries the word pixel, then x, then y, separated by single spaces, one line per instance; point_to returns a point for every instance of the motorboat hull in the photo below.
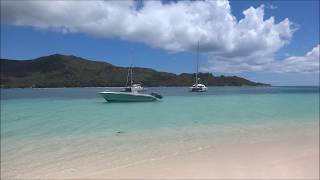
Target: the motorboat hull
pixel 127 97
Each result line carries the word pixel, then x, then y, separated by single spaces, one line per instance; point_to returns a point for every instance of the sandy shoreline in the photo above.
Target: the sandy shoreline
pixel 289 153
pixel 285 159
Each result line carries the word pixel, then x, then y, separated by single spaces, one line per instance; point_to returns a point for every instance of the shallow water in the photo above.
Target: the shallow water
pixel 64 130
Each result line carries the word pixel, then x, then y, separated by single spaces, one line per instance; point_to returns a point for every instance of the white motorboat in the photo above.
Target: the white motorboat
pixel 129 96
pixel 130 93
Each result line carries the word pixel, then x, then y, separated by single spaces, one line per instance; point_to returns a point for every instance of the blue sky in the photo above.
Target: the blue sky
pixel 22 38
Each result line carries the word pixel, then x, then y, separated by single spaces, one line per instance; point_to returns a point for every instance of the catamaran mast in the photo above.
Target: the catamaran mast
pixel 128 74
pixel 197 63
pixel 131 66
pixel 131 76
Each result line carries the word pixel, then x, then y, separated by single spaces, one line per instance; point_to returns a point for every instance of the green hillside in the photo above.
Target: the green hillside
pixel 71 71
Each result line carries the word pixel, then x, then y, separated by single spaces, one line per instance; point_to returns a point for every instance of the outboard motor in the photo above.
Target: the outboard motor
pixel 156 95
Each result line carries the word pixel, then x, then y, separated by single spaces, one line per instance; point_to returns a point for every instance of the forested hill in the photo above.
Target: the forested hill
pixel 71 71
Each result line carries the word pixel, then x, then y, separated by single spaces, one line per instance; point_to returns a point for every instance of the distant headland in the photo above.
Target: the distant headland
pixel 70 71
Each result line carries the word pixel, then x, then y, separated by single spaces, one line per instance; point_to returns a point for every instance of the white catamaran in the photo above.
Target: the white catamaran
pixel 198 87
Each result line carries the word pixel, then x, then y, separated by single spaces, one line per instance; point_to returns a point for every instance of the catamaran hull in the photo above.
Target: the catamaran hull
pixel 126 97
pixel 198 89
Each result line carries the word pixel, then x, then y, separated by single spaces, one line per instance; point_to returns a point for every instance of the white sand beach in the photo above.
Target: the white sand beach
pixel 290 152
pixel 285 159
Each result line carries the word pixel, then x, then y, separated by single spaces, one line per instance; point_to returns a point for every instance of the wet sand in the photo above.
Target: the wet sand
pixel 260 153
pixel 284 159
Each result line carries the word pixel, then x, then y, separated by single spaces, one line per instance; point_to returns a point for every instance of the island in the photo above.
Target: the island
pixel 71 71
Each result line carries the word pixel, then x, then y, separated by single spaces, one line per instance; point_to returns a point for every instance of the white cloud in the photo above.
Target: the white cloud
pixel 271 6
pixel 300 64
pixel 247 44
pixel 309 63
pixel 174 26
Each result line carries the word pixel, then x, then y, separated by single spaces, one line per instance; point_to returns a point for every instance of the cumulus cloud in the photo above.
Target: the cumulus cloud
pixel 173 26
pixel 247 44
pixel 309 63
pixel 296 64
pixel 271 6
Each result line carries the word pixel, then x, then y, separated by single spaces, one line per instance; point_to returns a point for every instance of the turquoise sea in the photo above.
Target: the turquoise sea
pixel 47 132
